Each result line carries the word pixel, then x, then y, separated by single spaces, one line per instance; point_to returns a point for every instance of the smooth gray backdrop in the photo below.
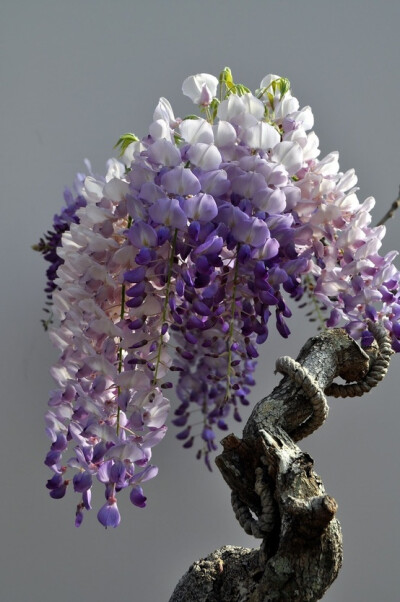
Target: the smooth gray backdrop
pixel 74 75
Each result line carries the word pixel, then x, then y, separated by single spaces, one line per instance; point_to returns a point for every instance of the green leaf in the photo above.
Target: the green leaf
pixel 190 117
pixel 284 86
pixel 241 89
pixel 124 141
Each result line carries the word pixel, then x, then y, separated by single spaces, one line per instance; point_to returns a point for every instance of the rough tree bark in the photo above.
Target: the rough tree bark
pixel 276 495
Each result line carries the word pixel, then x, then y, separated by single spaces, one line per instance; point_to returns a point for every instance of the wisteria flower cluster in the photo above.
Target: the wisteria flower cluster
pixel 51 241
pixel 177 259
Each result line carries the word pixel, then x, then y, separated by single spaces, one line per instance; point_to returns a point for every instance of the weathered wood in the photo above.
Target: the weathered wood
pixel 276 495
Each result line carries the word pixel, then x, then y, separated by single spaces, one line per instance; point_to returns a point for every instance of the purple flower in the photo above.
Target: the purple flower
pixel 201 207
pixel 135 275
pixel 82 481
pixel 253 231
pixel 207 226
pixel 57 486
pixel 50 243
pixel 180 181
pixel 137 498
pixel 169 213
pixel 109 515
pixel 142 234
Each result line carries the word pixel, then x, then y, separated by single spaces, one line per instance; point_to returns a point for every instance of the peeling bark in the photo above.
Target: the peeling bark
pixel 276 495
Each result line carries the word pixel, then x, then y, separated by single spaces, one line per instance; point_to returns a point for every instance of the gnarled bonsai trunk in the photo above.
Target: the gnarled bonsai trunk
pixel 276 495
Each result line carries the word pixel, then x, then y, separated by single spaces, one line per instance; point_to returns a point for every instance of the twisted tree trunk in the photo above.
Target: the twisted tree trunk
pixel 276 495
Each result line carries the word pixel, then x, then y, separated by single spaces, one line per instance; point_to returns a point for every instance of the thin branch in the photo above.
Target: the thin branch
pixel 391 212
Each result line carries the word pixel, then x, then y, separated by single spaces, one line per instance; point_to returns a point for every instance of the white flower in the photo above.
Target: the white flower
pixel 164 111
pixel 205 156
pixel 200 88
pixel 268 79
pixel 196 130
pixel 156 413
pixel 298 135
pixel 286 105
pixel 288 154
pixel 261 135
pixel 230 108
pixel 93 190
pixel 132 150
pixel 164 152
pixel 224 134
pixel 160 129
pixel 304 118
pixel 253 105
pixel 347 181
pixel 116 190
pixel 311 150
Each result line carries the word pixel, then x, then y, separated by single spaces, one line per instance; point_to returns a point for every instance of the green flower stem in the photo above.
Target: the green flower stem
pixel 171 258
pixel 231 328
pixel 121 315
pixel 208 114
pixel 316 306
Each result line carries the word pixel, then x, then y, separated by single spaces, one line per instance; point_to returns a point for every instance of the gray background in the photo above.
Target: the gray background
pixel 74 75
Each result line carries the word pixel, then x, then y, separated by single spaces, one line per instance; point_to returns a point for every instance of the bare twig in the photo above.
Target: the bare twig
pixel 391 212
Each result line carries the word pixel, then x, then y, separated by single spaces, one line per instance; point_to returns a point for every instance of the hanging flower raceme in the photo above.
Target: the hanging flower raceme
pixel 177 259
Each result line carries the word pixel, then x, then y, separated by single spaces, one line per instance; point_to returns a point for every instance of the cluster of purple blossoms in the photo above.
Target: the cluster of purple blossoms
pixel 177 260
pixel 49 244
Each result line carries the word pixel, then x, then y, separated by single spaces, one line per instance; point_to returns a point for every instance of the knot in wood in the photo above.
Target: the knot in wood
pixel 379 364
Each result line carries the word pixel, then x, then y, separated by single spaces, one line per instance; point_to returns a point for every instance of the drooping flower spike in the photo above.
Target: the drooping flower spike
pixel 177 259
